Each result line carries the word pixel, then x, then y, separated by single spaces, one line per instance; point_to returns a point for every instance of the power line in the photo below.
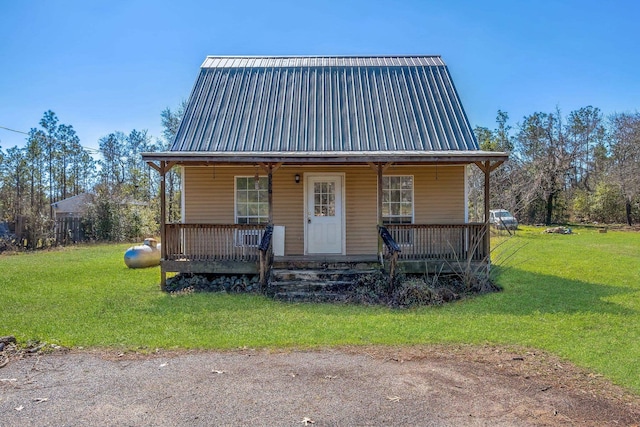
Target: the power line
pixel 56 140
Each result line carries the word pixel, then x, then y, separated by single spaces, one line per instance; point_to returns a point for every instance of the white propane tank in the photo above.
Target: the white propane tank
pixel 142 256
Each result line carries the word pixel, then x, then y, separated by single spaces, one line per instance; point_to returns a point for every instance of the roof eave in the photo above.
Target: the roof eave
pixel 409 157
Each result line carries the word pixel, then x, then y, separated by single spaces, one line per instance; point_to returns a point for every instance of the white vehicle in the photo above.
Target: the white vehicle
pixel 502 219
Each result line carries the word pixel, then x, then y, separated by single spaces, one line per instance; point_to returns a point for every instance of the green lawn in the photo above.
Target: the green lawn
pixel 577 296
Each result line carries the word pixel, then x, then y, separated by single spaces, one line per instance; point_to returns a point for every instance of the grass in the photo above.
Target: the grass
pixel 577 296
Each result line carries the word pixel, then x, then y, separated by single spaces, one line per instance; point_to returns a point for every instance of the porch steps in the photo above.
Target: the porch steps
pixel 315 281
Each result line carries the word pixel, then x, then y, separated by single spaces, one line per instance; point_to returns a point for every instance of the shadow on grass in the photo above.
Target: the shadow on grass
pixel 526 292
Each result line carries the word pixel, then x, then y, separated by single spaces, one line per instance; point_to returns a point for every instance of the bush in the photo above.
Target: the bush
pixel 110 219
pixel 416 290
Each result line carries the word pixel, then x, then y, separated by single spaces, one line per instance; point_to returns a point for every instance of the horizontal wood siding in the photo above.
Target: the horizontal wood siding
pixel 438 193
pixel 288 209
pixel 208 194
pixel 438 198
pixel 361 208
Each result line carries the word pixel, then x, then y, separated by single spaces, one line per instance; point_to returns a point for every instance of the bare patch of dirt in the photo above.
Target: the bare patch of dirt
pixel 416 385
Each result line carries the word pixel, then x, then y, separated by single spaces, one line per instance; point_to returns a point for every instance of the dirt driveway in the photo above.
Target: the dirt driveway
pixel 376 386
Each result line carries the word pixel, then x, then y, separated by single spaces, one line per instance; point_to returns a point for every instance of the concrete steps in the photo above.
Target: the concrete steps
pixel 315 281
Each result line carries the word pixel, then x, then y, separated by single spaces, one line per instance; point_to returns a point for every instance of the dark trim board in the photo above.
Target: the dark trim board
pixel 210 267
pixel 435 267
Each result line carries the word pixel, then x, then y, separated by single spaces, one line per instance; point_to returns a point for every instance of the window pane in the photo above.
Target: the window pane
pixel 264 183
pixel 395 183
pixel 242 183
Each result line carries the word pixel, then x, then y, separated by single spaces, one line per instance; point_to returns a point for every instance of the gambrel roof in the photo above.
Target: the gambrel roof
pixel 338 103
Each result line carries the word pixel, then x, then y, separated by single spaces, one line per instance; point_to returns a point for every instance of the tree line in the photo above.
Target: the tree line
pixel 53 166
pixel 579 167
pixel 582 167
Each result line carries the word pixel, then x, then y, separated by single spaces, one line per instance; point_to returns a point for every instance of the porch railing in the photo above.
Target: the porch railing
pixel 459 242
pixel 213 242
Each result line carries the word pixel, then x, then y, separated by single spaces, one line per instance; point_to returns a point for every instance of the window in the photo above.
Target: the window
pixel 397 199
pixel 252 200
pixel 397 206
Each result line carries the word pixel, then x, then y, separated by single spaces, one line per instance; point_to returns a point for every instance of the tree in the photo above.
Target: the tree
pixel 170 123
pixel 14 173
pixel 585 132
pixel 49 123
pixel 505 182
pixel 625 156
pixel 137 176
pixel 547 158
pixel 113 163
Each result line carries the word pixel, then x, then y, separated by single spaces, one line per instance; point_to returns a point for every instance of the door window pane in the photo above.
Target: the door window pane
pixel 324 198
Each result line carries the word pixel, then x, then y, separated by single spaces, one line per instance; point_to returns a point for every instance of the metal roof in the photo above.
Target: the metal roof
pixel 322 104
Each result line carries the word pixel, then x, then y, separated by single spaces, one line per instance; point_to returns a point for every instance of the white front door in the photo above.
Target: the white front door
pixel 324 216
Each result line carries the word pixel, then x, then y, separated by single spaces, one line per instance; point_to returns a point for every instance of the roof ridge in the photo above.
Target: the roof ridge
pixel 328 56
pixel 212 61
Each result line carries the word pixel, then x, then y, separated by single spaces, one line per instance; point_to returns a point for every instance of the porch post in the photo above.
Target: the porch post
pixel 163 216
pixel 270 192
pixel 487 197
pixel 379 171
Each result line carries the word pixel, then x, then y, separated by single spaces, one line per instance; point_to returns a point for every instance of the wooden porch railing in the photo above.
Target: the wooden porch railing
pixel 448 242
pixel 213 242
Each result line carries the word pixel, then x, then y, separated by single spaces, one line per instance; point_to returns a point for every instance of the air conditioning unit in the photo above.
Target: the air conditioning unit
pixel 247 238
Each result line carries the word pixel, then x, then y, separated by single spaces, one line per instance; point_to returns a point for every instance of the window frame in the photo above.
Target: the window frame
pixel 404 237
pixel 385 219
pixel 265 218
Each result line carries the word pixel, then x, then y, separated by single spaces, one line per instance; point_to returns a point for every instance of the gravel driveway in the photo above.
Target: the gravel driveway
pixel 374 386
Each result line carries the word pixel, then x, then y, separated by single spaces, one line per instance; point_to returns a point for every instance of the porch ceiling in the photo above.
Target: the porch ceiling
pixel 327 157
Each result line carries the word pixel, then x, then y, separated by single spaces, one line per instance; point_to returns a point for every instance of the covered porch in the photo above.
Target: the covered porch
pixel 235 248
pixel 232 248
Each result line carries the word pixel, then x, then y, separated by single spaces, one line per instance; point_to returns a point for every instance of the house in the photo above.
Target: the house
pixel 72 207
pixel 67 217
pixel 325 149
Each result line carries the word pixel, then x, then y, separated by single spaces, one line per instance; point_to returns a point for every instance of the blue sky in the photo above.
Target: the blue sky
pixel 104 66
